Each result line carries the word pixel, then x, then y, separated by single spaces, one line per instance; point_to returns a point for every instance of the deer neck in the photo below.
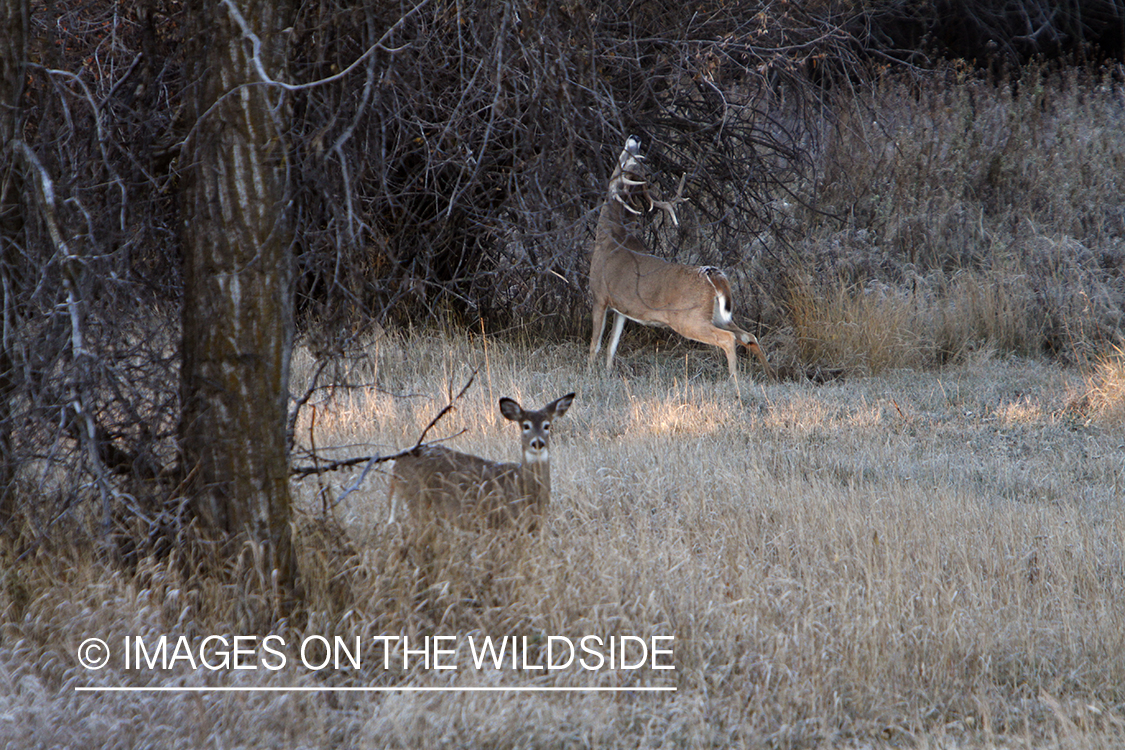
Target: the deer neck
pixel 613 224
pixel 535 478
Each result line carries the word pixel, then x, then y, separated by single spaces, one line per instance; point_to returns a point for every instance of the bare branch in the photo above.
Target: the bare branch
pixel 302 472
pixel 256 44
pixel 446 409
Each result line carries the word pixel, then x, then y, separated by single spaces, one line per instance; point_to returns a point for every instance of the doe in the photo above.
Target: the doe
pixel 467 489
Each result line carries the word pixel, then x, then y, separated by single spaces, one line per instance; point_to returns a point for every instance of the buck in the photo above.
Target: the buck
pixel 467 489
pixel 694 301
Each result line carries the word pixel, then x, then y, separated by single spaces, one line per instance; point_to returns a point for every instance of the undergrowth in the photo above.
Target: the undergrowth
pixel 913 557
pixel 952 213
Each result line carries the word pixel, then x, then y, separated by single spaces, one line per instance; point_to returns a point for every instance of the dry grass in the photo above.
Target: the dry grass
pixel 918 558
pixel 866 330
pixel 1102 399
pixel 953 214
pixel 929 552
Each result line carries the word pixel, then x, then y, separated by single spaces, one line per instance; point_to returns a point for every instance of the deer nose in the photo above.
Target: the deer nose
pixel 537 444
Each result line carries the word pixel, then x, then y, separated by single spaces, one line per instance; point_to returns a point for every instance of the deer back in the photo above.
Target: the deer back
pixel 456 485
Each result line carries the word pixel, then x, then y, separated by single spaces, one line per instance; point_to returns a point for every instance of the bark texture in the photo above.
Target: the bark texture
pixel 13 60
pixel 238 282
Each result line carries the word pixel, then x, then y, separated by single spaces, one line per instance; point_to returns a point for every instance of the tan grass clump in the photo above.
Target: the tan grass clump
pixel 1103 394
pixel 868 329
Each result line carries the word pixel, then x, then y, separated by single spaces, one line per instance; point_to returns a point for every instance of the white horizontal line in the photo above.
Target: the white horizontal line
pixel 415 689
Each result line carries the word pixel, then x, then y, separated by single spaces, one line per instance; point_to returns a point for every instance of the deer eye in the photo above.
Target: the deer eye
pixel 546 426
pixel 526 426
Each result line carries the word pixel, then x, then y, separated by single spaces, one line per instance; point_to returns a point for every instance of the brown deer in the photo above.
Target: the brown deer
pixel 694 301
pixel 471 490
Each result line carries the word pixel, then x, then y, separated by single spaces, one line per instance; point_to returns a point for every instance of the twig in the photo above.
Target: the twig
pixel 291 427
pixel 445 410
pixel 300 472
pixel 80 398
pixel 256 43
pixel 117 84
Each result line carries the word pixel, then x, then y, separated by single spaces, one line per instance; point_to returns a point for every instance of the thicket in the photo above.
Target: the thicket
pixel 888 183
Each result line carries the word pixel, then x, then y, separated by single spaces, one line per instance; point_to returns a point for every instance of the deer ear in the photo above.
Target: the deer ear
pixel 559 406
pixel 511 410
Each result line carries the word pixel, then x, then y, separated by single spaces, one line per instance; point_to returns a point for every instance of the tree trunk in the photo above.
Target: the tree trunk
pixel 13 59
pixel 238 284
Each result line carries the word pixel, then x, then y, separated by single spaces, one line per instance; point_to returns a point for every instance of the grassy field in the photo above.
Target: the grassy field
pixel 924 547
pixel 924 558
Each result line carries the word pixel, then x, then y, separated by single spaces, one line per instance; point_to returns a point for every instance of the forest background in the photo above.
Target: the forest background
pixel 889 185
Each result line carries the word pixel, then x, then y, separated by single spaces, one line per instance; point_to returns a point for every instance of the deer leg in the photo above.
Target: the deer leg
pixel 727 345
pixel 757 351
pixel 732 361
pixel 750 341
pixel 391 500
pixel 599 329
pixel 725 340
pixel 614 338
pixel 706 333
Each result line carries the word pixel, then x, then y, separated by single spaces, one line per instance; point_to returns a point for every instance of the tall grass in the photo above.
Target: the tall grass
pixel 929 551
pixel 966 213
pixel 1102 398
pixel 913 558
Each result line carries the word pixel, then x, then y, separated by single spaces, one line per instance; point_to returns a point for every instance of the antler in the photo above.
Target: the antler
pixel 630 159
pixel 620 195
pixel 668 206
pixel 628 208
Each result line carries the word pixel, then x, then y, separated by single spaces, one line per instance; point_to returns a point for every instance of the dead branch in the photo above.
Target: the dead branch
pixel 301 472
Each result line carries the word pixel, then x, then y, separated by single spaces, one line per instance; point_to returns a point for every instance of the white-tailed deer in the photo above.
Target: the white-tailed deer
pixel 470 490
pixel 694 301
